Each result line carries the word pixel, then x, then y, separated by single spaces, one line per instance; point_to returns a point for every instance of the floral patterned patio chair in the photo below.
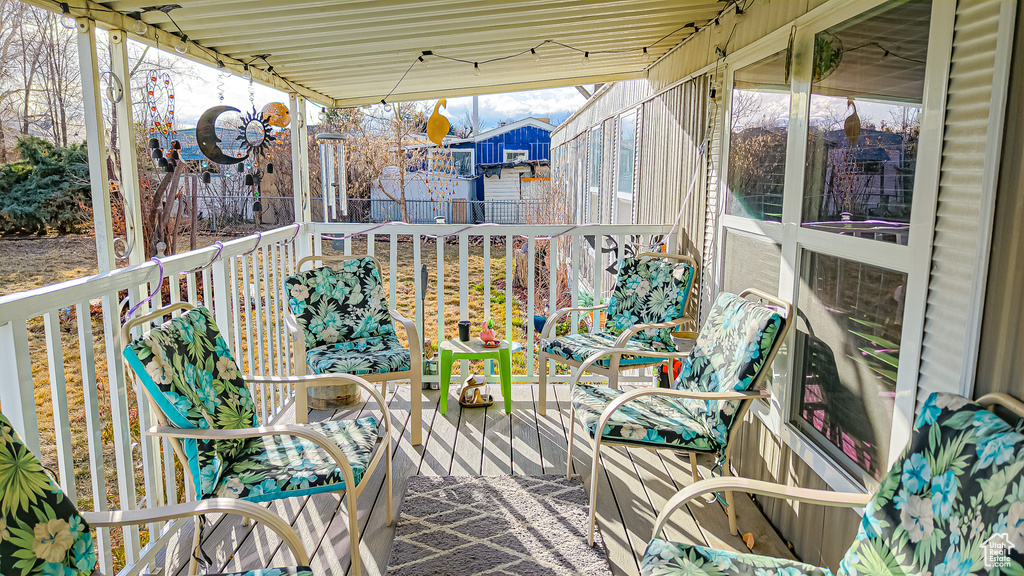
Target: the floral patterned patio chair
pixel 43 533
pixel 648 302
pixel 952 504
pixel 204 406
pixel 340 323
pixel 730 359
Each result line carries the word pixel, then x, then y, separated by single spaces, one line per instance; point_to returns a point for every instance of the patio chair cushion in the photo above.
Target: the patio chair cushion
pixel 298 571
pixel 41 531
pixel 663 558
pixel 579 347
pixel 648 420
pixel 340 305
pixel 649 290
pixel 376 355
pixel 188 370
pixel 271 465
pixel 728 355
pixel 957 486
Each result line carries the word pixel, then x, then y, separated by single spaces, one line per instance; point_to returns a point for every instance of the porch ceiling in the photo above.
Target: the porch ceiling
pixel 355 52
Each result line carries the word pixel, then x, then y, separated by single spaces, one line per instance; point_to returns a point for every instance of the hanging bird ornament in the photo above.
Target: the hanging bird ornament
pixel 438 125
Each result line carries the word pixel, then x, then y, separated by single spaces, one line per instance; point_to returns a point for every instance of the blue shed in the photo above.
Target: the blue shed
pixel 523 140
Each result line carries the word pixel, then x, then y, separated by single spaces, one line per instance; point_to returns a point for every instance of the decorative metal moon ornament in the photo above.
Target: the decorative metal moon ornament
pixel 276 114
pixel 206 136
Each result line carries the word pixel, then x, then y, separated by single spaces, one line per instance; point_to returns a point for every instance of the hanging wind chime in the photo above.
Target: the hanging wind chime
pixel 441 176
pixel 163 137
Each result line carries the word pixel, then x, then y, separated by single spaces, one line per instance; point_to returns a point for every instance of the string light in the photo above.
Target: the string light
pixel 536 55
pixel 322 115
pixel 586 58
pixel 476 68
pixel 181 46
pixel 647 56
pixel 246 72
pixel 138 26
pixel 67 20
pixel 426 63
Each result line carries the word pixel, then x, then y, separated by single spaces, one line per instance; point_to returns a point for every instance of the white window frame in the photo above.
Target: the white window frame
pixel 913 259
pixel 525 153
pixel 472 158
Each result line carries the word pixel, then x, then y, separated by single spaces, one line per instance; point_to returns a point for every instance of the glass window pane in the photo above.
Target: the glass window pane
pixel 866 90
pixel 757 143
pixel 463 160
pixel 750 262
pixel 848 339
pixel 627 143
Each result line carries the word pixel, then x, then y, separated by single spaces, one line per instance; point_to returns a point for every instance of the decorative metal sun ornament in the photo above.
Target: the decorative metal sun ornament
pixel 255 134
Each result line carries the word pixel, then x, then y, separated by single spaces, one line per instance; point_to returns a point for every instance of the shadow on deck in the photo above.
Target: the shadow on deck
pixel 634 486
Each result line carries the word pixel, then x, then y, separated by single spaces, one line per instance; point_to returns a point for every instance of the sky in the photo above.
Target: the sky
pixel 202 92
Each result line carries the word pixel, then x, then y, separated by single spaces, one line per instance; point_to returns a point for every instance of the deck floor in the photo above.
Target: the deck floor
pixel 633 487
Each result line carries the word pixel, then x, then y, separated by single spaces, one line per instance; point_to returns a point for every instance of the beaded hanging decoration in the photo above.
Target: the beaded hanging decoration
pixel 163 136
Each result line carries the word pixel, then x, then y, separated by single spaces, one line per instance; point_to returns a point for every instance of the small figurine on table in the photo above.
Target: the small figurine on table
pixel 487 335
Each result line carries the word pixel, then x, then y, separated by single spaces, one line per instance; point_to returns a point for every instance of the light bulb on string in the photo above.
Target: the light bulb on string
pixel 181 46
pixel 476 68
pixel 536 55
pixel 138 26
pixel 387 107
pixel 246 72
pixel 646 56
pixel 66 19
pixel 586 58
pixel 322 115
pixel 424 61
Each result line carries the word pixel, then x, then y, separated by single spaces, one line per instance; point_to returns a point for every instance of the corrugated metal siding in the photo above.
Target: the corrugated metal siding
pixel 671 128
pixel 530 138
pixel 957 219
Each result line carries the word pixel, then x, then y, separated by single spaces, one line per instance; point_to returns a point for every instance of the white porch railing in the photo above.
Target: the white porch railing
pixel 242 282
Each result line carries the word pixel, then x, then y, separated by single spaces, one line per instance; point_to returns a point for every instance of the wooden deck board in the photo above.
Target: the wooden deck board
pixel 633 486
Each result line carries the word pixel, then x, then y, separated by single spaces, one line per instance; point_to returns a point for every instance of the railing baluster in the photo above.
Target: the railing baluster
pixel 369 245
pixel 576 247
pixel 59 400
pixel 118 391
pixel 508 285
pixel 207 276
pixel 246 313
pixel 487 278
pixel 598 275
pixel 531 273
pixel 279 270
pixel 236 306
pixel 463 289
pixel 418 287
pixel 440 291
pixel 393 272
pixel 94 429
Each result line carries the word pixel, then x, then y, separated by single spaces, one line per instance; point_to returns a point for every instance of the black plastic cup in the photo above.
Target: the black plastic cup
pixel 464 330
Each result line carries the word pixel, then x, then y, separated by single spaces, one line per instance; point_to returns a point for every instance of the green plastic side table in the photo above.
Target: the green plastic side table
pixel 452 350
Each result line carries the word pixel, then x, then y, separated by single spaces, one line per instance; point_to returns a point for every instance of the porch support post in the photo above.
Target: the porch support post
pixel 300 170
pixel 129 159
pixel 95 142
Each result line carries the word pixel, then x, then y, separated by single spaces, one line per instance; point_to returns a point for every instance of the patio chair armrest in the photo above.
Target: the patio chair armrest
pixel 250 510
pixel 321 440
pixel 590 360
pixel 606 415
pixel 298 342
pixel 732 483
pixel 415 342
pixel 553 320
pixel 636 328
pixel 303 382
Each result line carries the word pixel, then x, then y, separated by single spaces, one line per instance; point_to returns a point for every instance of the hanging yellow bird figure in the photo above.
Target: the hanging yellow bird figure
pixel 438 125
